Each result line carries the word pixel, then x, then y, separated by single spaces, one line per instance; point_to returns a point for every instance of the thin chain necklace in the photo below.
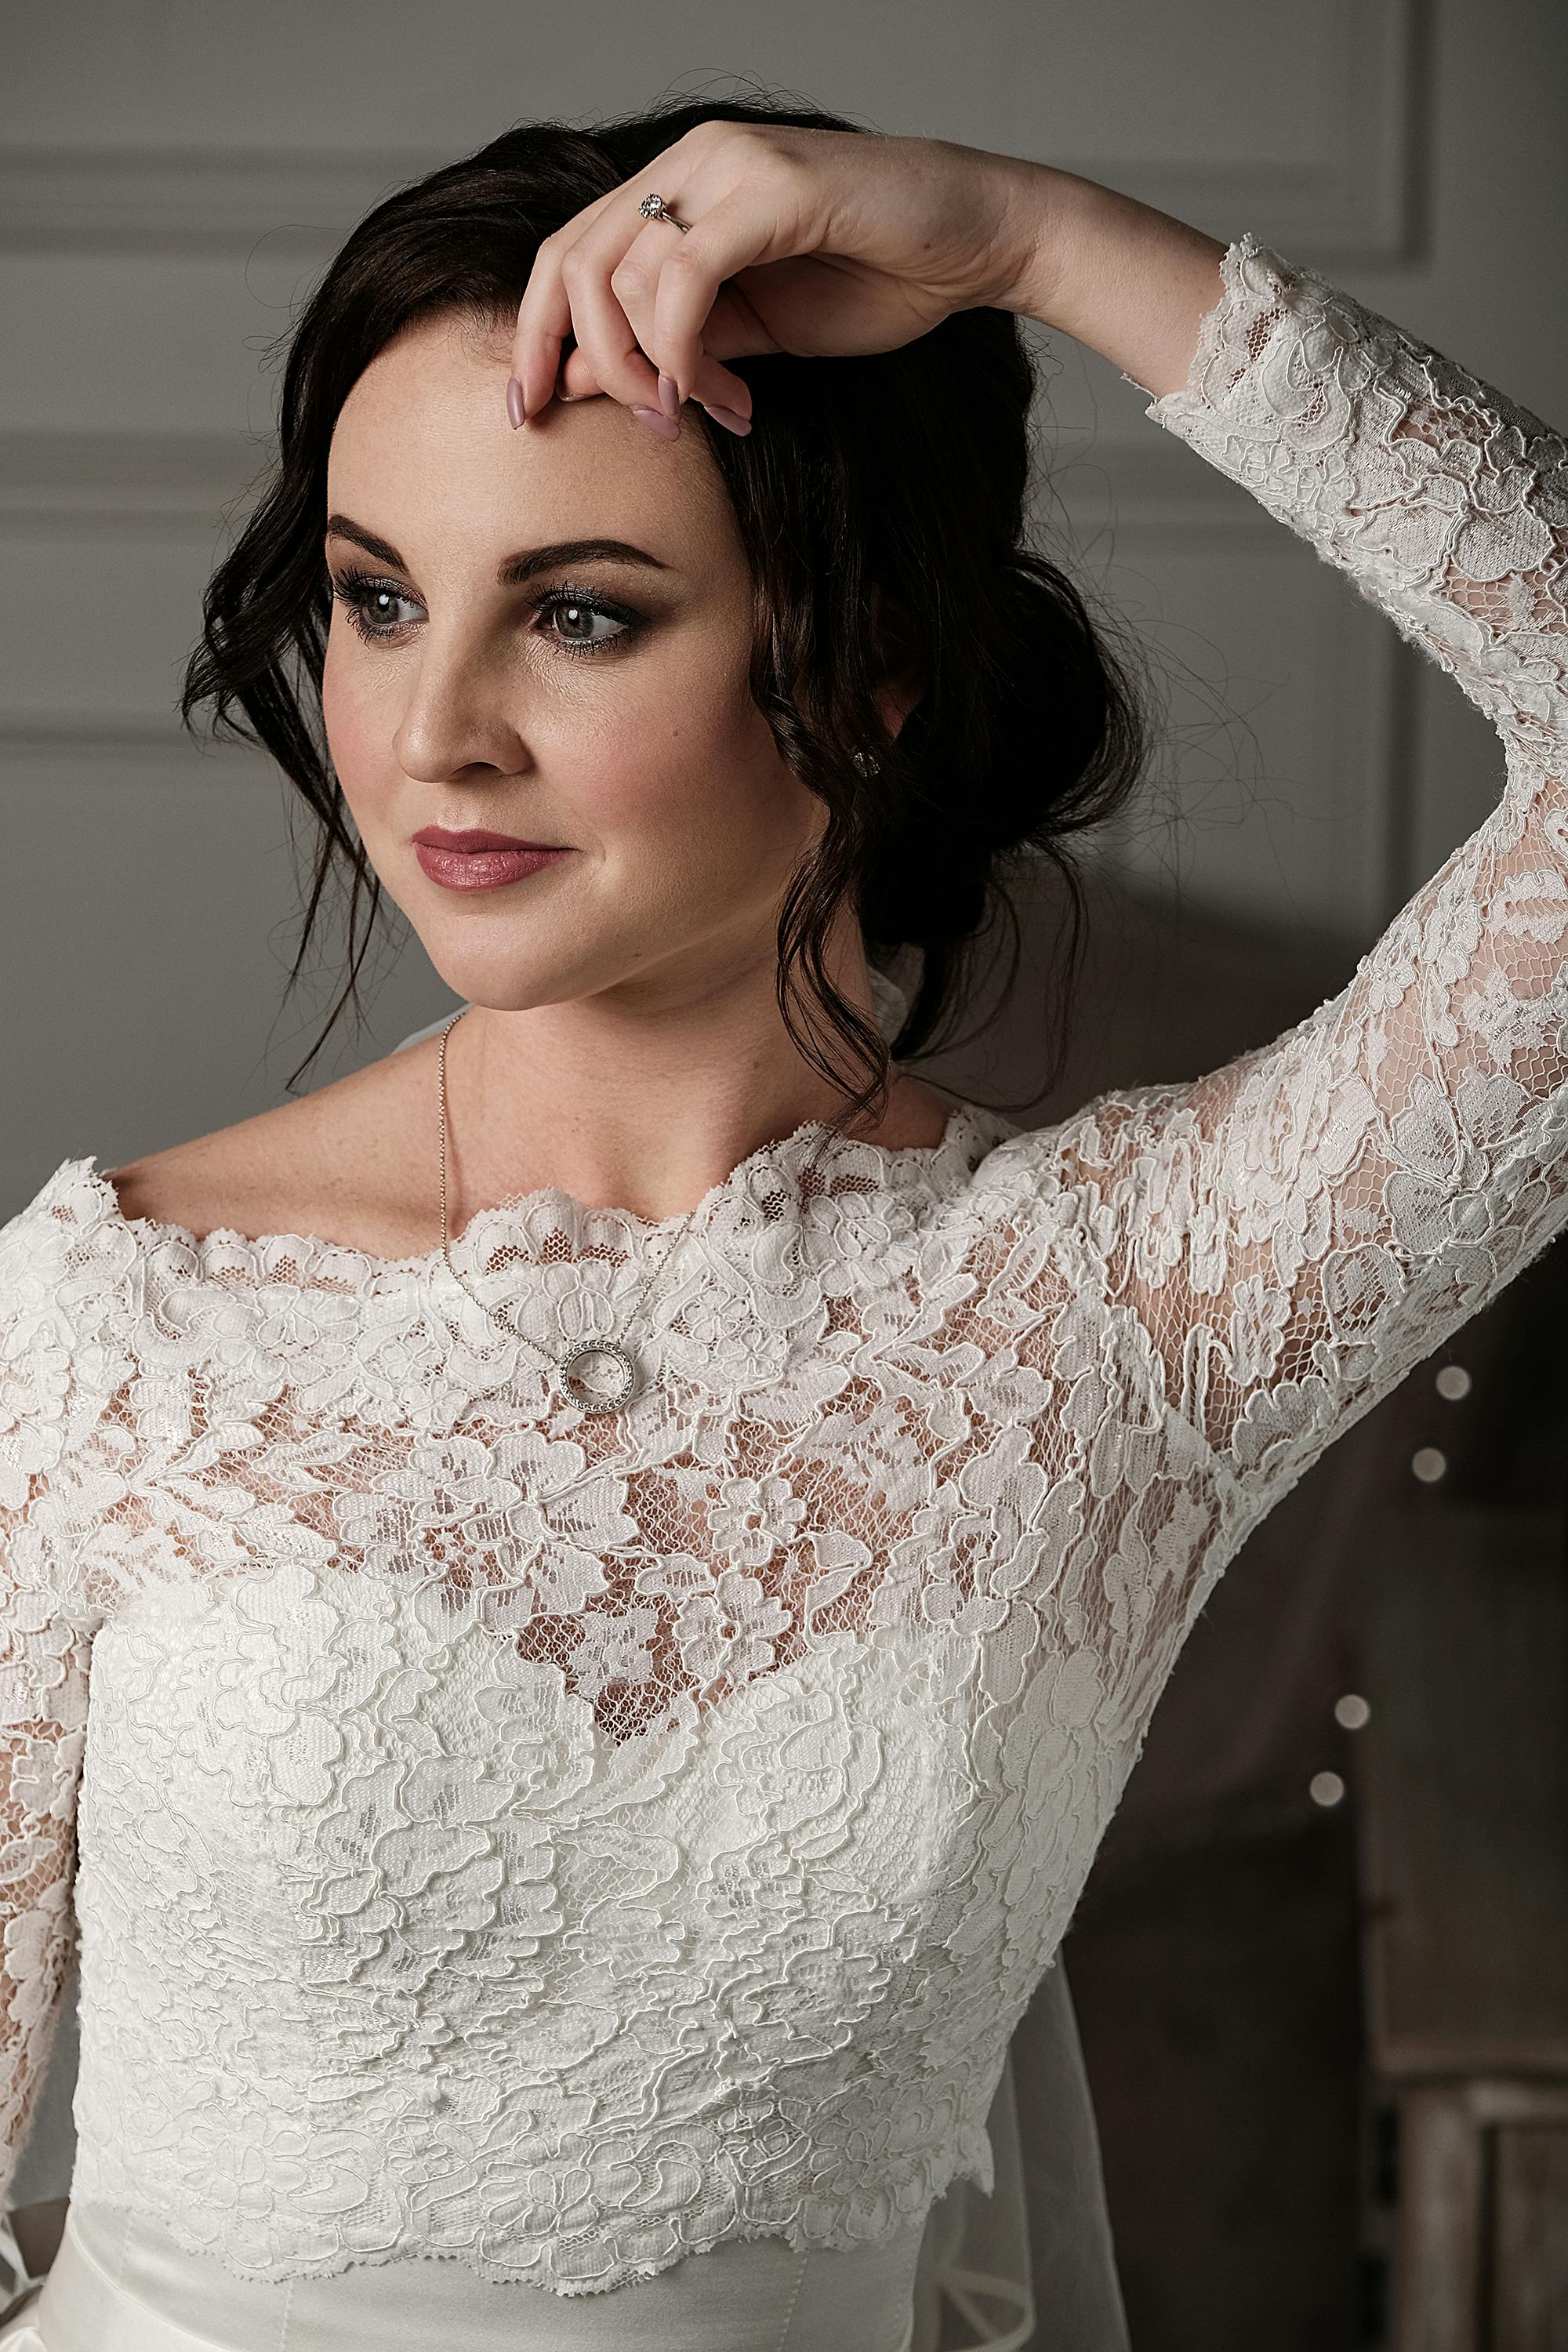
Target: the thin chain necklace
pixel 569 1364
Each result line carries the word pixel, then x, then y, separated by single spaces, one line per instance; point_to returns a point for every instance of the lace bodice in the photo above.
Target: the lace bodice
pixel 566 1841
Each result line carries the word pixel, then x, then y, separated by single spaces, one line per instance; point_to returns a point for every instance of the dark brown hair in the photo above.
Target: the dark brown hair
pixel 904 473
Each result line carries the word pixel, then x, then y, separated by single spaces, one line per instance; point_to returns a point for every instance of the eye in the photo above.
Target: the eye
pixel 368 603
pixel 570 617
pixel 575 623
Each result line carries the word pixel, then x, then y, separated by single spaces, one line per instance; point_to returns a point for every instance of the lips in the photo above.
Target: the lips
pixel 480 860
pixel 435 837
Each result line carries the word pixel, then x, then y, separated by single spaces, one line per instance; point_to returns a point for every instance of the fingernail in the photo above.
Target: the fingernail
pixel 730 417
pixel 657 422
pixel 514 407
pixel 669 396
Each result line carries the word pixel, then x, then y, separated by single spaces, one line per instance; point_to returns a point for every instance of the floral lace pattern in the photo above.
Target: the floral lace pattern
pixel 565 1842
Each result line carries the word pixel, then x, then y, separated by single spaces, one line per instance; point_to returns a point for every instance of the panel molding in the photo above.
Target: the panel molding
pixel 1355 738
pixel 1357 205
pixel 193 200
pixel 1361 206
pixel 1152 483
pixel 112 738
pixel 72 485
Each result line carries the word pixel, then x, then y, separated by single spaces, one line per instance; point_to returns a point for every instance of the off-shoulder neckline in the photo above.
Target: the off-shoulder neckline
pixel 892 1170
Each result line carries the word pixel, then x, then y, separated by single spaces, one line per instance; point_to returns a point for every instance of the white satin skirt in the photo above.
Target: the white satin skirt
pixel 119 2283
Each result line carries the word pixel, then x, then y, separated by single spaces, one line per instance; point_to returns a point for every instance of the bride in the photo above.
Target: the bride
pixel 581 1599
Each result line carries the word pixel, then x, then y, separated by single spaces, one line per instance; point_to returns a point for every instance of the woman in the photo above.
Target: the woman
pixel 625 1571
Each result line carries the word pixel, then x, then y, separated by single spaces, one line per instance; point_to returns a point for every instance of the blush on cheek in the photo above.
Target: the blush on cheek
pixel 703 758
pixel 357 737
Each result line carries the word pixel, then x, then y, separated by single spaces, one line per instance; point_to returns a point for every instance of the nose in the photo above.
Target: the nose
pixel 460 714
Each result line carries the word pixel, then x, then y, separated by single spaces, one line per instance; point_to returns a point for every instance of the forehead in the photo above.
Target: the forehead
pixel 423 446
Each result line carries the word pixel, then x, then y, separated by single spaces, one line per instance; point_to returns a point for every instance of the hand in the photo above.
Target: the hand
pixel 820 243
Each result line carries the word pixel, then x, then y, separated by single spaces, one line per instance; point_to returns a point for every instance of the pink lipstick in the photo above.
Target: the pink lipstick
pixel 479 859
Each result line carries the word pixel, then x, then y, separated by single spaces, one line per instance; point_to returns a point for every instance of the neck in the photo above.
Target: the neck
pixel 624 1105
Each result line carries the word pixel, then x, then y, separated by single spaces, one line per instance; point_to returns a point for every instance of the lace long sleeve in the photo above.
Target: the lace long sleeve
pixel 56 1360
pixel 1295 1231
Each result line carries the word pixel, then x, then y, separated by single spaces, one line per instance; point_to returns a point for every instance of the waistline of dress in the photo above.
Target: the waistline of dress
pixel 119 2284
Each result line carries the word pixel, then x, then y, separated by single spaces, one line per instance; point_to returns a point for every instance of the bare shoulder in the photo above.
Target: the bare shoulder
pixel 917 1115
pixel 338 1163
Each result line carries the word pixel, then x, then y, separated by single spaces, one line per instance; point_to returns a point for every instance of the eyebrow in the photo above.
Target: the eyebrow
pixel 515 568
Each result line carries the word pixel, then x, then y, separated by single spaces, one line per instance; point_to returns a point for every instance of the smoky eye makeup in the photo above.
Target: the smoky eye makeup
pixel 576 611
pixel 573 621
pixel 364 598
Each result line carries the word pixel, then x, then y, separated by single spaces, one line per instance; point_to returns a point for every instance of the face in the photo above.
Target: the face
pixel 479 675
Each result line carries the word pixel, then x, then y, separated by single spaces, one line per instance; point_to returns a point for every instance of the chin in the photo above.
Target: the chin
pixel 502 985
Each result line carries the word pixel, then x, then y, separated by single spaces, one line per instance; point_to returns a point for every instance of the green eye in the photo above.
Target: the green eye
pixel 366 601
pixel 376 606
pixel 573 619
pixel 578 623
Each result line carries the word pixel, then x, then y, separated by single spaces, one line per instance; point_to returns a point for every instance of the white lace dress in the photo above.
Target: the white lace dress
pixel 567 1844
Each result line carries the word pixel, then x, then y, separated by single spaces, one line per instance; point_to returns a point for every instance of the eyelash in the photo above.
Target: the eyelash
pixel 353 591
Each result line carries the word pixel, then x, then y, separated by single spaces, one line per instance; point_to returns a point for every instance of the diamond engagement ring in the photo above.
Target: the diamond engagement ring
pixel 655 208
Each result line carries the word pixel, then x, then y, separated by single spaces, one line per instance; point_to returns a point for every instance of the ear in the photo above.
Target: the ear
pixel 903 682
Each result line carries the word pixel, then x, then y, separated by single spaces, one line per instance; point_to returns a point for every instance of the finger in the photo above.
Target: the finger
pixel 544 314
pixel 611 316
pixel 637 285
pixel 613 280
pixel 597 271
pixel 543 325
pixel 579 382
pixel 759 222
pixel 586 259
pixel 733 330
pixel 611 234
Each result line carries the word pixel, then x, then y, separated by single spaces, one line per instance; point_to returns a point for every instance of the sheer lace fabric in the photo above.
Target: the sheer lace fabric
pixel 564 1843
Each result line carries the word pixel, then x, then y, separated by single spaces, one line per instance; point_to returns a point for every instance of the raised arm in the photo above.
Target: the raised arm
pixel 1293 1232
pixel 1298 1229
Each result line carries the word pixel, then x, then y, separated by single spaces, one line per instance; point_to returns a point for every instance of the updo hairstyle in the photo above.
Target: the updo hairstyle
pixel 905 473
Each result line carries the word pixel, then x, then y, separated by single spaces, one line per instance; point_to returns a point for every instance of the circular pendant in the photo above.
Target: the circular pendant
pixel 599 1397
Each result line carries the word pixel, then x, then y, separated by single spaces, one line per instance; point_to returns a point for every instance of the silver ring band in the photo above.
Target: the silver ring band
pixel 655 208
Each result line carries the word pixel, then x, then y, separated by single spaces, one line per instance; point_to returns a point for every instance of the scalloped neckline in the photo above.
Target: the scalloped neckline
pixel 903 1167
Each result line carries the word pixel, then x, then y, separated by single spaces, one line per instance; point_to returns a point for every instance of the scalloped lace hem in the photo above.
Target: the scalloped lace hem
pixel 541 2274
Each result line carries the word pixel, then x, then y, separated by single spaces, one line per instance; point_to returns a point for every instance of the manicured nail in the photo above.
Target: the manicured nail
pixel 514 407
pixel 729 417
pixel 657 422
pixel 669 396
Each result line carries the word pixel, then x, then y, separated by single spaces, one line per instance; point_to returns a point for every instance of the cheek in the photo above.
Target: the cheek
pixel 358 733
pixel 691 756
